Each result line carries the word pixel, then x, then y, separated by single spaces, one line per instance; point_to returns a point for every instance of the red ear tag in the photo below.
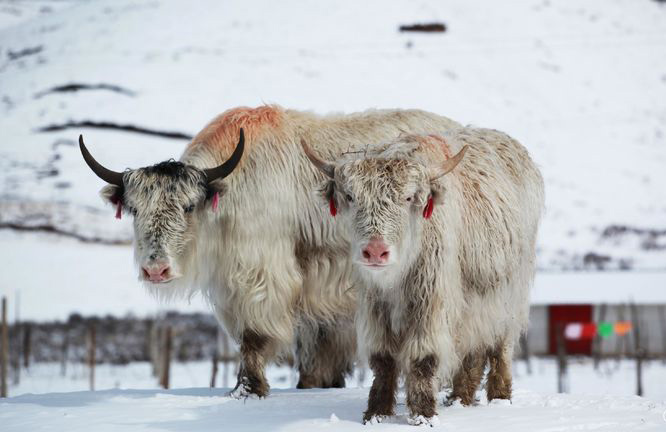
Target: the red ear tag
pixel 331 207
pixel 427 211
pixel 119 209
pixel 216 201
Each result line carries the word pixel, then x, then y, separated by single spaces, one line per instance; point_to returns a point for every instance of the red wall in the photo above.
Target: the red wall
pixel 563 314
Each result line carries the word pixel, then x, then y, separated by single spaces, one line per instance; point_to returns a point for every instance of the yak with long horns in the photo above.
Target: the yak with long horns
pixel 271 261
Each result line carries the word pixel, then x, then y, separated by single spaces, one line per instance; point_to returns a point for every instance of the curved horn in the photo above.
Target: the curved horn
pixel 325 167
pixel 450 164
pixel 227 167
pixel 111 177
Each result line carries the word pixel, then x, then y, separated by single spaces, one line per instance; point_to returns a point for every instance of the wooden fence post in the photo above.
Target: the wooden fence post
pixel 214 372
pixel 65 351
pixel 91 355
pixel 562 386
pixel 638 349
pixel 147 344
pixel 15 353
pixel 5 351
pixel 27 344
pixel 156 350
pixel 166 357
pixel 662 319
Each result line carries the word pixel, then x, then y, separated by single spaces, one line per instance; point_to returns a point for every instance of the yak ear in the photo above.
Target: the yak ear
pixel 328 190
pixel 111 193
pixel 217 186
pixel 437 191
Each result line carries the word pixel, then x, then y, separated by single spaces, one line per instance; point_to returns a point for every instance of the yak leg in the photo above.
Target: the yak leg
pixel 325 354
pixel 251 379
pixel 421 399
pixel 381 402
pixel 467 379
pixel 499 376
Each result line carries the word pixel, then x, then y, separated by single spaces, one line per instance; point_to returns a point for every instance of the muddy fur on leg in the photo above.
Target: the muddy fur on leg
pixel 251 379
pixel 381 401
pixel 499 375
pixel 420 387
pixel 468 378
pixel 325 353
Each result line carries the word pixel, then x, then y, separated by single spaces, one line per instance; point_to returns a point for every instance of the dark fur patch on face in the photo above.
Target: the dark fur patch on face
pixel 169 168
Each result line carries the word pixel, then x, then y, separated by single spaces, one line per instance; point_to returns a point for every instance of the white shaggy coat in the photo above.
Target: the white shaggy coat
pixel 456 284
pixel 272 257
pixel 475 261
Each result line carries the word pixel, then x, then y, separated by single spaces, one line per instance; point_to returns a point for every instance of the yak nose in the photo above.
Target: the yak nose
pixel 159 271
pixel 376 252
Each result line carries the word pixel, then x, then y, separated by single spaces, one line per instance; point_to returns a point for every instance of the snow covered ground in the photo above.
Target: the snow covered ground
pixel 613 377
pixel 534 408
pixel 200 409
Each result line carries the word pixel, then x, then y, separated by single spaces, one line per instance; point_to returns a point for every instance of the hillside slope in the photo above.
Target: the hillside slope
pixel 582 85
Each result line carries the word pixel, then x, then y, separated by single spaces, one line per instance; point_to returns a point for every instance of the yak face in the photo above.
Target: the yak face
pixel 383 200
pixel 165 200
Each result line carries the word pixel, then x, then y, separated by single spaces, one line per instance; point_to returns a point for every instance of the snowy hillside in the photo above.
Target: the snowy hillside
pixel 314 410
pixel 581 84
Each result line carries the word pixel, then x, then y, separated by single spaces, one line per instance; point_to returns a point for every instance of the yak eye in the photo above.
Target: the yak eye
pixel 409 199
pixel 189 209
pixel 349 198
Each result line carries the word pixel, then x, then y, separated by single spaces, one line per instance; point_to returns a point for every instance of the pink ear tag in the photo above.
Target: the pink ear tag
pixel 216 201
pixel 119 209
pixel 427 211
pixel 331 207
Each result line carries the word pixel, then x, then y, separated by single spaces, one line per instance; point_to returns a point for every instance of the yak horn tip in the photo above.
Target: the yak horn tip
pixel 227 167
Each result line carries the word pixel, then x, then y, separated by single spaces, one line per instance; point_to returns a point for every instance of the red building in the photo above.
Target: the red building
pixel 592 297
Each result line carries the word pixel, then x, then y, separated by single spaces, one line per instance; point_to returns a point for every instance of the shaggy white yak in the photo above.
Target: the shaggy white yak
pixel 271 262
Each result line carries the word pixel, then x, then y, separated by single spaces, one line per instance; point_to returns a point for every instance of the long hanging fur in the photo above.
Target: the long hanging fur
pixel 459 283
pixel 271 259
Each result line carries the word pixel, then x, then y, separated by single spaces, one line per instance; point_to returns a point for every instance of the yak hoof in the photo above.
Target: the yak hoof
pixel 420 420
pixel 374 419
pixel 243 390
